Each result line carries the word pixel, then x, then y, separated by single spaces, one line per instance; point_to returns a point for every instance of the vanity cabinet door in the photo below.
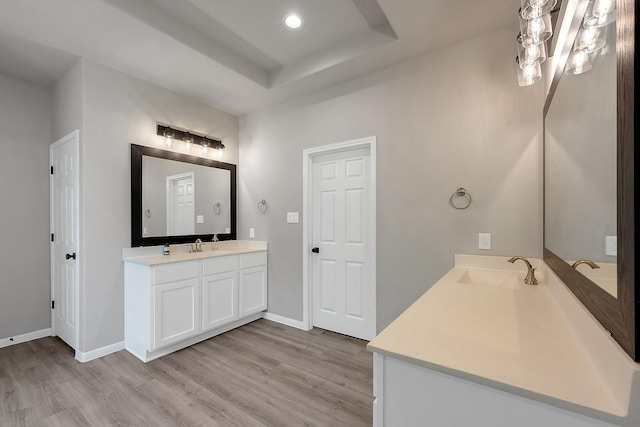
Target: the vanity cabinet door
pixel 253 290
pixel 219 299
pixel 176 312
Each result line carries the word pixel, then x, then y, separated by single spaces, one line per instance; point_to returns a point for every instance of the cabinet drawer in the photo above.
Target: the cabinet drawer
pixel 174 272
pixel 219 265
pixel 253 259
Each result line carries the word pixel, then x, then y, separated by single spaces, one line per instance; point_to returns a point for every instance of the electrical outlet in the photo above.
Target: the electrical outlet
pixel 611 245
pixel 252 233
pixel 484 241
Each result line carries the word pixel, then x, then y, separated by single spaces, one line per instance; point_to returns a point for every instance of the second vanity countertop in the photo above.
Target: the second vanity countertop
pixel 509 336
pixel 152 255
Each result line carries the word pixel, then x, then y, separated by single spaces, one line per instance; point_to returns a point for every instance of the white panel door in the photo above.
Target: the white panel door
pixel 176 313
pixel 65 240
pixel 181 205
pixel 343 279
pixel 219 299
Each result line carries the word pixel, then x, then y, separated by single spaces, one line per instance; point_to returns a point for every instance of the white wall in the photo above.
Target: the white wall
pixel 25 134
pixel 120 110
pixel 453 118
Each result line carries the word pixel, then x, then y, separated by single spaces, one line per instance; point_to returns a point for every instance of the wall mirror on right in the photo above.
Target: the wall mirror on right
pixel 589 194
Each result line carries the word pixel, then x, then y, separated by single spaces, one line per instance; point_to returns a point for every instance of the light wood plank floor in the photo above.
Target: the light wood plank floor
pixel 262 374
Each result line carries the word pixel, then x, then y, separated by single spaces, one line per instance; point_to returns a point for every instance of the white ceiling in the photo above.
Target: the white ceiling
pixel 236 54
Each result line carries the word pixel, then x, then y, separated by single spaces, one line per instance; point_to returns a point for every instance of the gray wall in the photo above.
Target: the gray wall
pixel 25 135
pixel 453 118
pixel 120 110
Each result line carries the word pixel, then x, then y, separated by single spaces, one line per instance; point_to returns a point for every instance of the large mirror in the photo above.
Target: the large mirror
pixel 589 178
pixel 177 198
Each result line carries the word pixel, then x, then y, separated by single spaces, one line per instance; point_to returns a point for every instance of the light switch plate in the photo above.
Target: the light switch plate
pixel 200 219
pixel 611 245
pixel 252 233
pixel 484 241
pixel 293 217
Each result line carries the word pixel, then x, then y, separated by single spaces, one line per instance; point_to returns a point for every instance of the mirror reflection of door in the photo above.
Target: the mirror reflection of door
pixel 180 204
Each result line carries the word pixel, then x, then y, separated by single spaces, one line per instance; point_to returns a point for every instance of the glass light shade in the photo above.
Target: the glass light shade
pixel 205 147
pixel 533 8
pixel 529 74
pixel 188 141
pixel 531 54
pixel 600 14
pixel 579 62
pixel 169 136
pixel 536 30
pixel 590 39
pixel 219 152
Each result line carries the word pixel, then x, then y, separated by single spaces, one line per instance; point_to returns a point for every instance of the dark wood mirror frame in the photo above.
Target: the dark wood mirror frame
pixel 137 151
pixel 620 316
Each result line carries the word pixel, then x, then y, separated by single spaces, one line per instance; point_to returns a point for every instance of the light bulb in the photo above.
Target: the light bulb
pixel 529 72
pixel 536 27
pixel 532 53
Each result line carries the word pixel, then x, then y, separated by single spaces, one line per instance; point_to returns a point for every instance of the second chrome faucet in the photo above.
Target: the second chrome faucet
pixel 530 279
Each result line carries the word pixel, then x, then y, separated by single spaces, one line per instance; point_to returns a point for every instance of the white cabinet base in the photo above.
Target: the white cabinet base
pixel 147 356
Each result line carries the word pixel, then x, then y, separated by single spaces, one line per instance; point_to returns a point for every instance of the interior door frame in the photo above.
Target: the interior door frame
pixel 73 137
pixel 307 214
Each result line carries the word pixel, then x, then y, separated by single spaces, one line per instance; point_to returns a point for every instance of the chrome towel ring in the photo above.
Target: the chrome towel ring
pixel 262 206
pixel 460 199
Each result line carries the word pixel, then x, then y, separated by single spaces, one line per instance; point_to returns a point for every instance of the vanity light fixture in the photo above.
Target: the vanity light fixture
pixel 592 36
pixel 189 139
pixel 293 21
pixel 535 30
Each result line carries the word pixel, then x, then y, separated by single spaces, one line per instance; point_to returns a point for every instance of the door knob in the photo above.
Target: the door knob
pixel 70 256
pixel 315 250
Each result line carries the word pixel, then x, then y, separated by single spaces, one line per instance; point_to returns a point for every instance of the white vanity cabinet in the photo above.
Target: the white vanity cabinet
pixel 171 305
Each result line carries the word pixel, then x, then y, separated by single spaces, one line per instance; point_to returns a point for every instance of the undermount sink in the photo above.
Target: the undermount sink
pixel 493 278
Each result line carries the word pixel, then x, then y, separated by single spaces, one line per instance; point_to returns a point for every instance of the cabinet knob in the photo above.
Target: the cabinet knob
pixel 315 250
pixel 70 256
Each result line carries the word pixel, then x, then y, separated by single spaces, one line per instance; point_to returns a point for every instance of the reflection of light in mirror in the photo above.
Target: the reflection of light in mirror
pixel 579 62
pixel 590 40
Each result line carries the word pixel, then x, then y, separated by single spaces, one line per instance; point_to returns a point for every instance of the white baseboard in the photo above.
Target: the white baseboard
pixel 99 352
pixel 6 342
pixel 284 320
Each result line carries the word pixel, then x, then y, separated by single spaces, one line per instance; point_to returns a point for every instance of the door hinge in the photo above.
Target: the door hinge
pixel 52 238
pixel 53 305
pixel 51 170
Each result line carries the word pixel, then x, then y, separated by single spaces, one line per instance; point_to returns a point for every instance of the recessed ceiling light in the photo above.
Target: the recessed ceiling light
pixel 293 21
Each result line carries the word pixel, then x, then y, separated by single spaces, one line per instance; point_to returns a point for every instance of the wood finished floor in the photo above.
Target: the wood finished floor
pixel 262 374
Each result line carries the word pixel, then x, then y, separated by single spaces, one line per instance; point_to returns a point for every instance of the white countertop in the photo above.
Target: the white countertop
pixel 152 255
pixel 515 339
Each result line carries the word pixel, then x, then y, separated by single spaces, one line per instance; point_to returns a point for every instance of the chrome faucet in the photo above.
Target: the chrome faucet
pixel 198 245
pixel 530 279
pixel 585 261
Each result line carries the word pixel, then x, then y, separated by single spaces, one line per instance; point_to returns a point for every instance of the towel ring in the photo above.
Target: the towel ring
pixel 262 206
pixel 216 209
pixel 147 213
pixel 460 193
